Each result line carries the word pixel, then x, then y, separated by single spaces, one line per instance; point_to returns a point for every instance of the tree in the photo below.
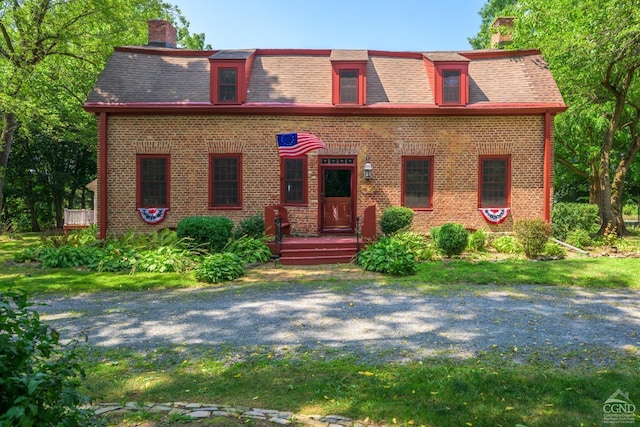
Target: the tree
pixel 55 49
pixel 593 50
pixel 489 12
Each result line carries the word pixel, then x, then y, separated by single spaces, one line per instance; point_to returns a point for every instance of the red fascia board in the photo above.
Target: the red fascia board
pixel 499 53
pixel 494 109
pixel 166 51
pixel 307 52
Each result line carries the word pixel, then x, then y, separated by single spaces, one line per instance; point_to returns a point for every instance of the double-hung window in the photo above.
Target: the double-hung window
pixel 417 182
pixel 494 182
pixel 152 171
pixel 294 181
pixel 225 181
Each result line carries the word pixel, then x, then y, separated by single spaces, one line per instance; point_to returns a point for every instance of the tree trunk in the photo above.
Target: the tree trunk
pixel 34 218
pixel 9 126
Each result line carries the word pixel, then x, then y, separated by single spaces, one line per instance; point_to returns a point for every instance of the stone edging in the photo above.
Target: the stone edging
pixel 203 410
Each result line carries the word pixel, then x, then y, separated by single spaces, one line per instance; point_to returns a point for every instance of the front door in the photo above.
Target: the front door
pixel 337 195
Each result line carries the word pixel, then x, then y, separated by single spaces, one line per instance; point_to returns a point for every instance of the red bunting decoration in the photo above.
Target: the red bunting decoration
pixel 152 215
pixel 495 216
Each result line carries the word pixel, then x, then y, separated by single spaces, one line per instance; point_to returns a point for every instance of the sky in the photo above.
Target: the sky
pixel 395 25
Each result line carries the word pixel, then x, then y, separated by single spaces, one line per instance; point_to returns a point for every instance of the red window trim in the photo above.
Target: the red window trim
pixel 283 170
pixel 508 183
pixel 440 68
pixel 139 158
pixel 361 68
pixel 403 184
pixel 241 83
pixel 211 198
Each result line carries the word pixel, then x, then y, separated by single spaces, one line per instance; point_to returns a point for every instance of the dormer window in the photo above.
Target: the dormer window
pixel 451 87
pixel 348 86
pixel 449 75
pixel 230 73
pixel 227 85
pixel 349 77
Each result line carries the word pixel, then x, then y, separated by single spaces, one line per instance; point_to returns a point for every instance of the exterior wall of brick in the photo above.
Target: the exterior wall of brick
pixel 454 142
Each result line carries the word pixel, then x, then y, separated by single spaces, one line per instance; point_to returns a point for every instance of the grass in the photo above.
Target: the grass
pixel 492 389
pixel 501 387
pixel 599 272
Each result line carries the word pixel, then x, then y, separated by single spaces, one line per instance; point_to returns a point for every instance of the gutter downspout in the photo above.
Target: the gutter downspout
pixel 102 180
pixel 547 165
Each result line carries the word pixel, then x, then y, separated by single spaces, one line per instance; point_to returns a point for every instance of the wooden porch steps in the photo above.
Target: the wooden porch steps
pixel 315 250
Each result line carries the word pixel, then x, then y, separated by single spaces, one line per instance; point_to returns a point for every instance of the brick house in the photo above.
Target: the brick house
pixel 456 136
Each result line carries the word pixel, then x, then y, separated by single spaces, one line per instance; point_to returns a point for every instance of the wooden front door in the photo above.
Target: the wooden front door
pixel 337 197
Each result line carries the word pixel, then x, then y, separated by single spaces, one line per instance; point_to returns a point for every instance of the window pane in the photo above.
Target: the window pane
pixel 153 182
pixel 294 181
pixel 226 181
pixel 417 185
pixel 227 84
pixel 348 86
pixel 451 87
pixel 494 183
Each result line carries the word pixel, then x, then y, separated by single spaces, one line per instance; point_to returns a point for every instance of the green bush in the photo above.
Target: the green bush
pixel 452 239
pixel 388 255
pixel 251 227
pixel 532 234
pixel 69 256
pixel 39 378
pixel 579 238
pixel 554 250
pixel 395 218
pixel 249 249
pixel 212 232
pixel 164 259
pixel 566 217
pixel 506 245
pixel 418 245
pixel 219 267
pixel 477 241
pixel 433 233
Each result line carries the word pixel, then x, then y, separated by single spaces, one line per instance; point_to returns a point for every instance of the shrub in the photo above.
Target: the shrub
pixel 566 217
pixel 418 245
pixel 395 218
pixel 39 378
pixel 452 239
pixel 477 241
pixel 506 245
pixel 251 227
pixel 433 233
pixel 165 259
pixel 69 256
pixel 554 250
pixel 532 234
pixel 213 232
pixel 389 255
pixel 219 267
pixel 579 238
pixel 249 249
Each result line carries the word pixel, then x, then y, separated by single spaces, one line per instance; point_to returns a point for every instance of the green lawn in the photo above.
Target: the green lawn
pixel 489 390
pixel 498 388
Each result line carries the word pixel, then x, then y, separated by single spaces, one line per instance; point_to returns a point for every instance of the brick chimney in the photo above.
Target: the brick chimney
pixel 501 30
pixel 161 33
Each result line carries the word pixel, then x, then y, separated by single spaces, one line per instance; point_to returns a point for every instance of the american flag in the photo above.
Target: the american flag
pixel 297 144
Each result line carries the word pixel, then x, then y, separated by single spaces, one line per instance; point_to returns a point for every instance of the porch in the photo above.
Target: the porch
pixel 78 218
pixel 327 249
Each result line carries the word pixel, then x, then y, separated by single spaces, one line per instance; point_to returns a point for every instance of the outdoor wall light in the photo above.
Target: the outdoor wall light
pixel 368 170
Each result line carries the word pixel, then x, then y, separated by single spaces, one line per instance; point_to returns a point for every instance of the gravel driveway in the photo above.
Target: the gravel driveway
pixel 392 321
